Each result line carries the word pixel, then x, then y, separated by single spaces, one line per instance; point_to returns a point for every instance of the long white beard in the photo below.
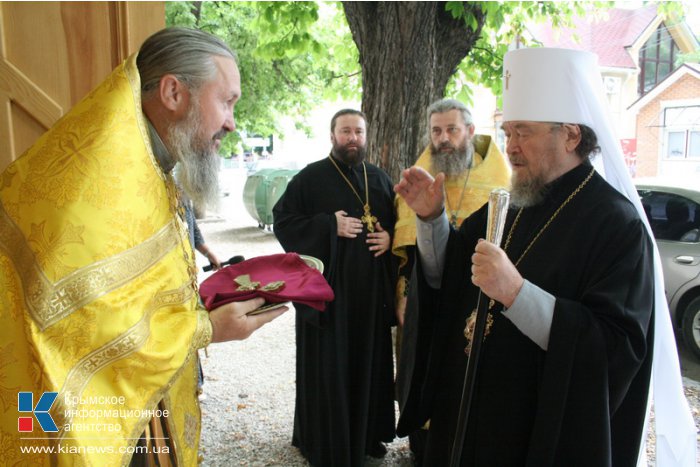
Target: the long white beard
pixel 198 165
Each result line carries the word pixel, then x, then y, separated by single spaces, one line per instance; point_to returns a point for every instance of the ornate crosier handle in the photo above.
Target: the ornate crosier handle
pixel 498 208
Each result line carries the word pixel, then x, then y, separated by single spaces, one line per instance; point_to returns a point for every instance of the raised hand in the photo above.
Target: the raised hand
pixel 422 193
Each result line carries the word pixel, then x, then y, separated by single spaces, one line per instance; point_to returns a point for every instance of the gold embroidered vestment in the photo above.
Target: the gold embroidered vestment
pixel 96 301
pixel 488 172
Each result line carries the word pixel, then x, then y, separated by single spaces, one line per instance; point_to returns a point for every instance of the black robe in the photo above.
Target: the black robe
pixel 581 402
pixel 344 398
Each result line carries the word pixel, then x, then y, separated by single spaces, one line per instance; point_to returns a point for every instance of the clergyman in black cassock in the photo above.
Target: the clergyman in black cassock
pixel 565 365
pixel 344 397
pixel 532 407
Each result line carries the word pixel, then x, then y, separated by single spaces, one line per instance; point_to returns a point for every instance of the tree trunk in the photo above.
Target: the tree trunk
pixel 408 52
pixel 196 10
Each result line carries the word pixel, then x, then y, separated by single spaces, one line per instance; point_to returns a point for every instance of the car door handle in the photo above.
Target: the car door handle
pixel 684 259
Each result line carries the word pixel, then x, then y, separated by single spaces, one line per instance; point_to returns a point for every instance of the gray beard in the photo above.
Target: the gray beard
pixel 528 193
pixel 198 166
pixel 452 164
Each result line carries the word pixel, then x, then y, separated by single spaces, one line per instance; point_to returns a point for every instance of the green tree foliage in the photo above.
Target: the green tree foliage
pixel 288 29
pixel 505 24
pixel 318 30
pixel 291 55
pixel 295 55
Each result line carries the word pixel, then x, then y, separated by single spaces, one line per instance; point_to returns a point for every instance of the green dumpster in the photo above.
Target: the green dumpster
pixel 262 190
pixel 254 193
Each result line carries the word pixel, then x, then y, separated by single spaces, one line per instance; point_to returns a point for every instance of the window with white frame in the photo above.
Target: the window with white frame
pixel 682 132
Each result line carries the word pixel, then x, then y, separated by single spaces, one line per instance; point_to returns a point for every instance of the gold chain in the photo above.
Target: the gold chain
pixel 367 218
pixel 556 213
pixel 471 320
pixel 453 215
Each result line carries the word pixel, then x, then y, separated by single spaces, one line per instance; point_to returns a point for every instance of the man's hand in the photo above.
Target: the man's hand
pixel 495 274
pixel 230 322
pixel 379 239
pixel 348 227
pixel 214 261
pixel 422 193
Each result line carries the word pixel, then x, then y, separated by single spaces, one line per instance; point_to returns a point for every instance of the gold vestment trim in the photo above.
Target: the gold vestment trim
pixel 130 341
pixel 202 336
pixel 49 303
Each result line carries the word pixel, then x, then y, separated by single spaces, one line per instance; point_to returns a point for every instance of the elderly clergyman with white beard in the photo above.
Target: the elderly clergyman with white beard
pixel 98 287
pixel 576 315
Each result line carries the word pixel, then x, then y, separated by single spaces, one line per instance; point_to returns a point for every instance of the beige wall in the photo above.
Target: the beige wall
pixel 649 121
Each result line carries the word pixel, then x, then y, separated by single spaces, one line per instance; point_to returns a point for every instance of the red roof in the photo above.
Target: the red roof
pixel 609 37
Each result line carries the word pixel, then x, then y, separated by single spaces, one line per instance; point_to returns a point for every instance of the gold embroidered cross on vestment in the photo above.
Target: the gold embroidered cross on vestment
pixel 245 284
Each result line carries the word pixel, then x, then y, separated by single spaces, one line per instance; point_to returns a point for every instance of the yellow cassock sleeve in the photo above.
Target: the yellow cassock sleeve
pixel 98 298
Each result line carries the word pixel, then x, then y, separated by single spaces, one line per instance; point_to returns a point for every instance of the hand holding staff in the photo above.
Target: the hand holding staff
pixel 498 208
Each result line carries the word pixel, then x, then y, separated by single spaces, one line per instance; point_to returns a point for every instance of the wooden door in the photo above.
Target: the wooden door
pixel 53 53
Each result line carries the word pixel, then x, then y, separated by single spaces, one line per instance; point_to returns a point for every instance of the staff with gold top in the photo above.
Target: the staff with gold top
pixel 567 359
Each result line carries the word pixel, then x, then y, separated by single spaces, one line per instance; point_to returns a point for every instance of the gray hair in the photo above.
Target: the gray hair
pixel 186 53
pixel 588 147
pixel 445 105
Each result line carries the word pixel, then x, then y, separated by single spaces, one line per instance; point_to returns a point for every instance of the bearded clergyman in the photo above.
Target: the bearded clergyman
pixel 341 210
pixel 473 166
pixel 566 353
pixel 101 318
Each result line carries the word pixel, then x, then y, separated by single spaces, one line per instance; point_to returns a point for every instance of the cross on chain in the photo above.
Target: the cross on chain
pixel 368 219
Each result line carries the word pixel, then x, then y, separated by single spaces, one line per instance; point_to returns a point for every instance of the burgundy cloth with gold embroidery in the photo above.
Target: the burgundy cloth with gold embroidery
pixel 302 283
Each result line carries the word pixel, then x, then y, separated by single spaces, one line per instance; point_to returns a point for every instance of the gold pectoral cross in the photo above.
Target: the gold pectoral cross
pixel 368 219
pixel 471 323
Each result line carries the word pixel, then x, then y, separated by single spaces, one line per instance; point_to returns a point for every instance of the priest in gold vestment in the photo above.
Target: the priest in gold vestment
pixel 99 305
pixel 473 166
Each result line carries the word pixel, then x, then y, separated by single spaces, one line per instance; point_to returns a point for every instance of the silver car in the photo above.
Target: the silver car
pixel 674 215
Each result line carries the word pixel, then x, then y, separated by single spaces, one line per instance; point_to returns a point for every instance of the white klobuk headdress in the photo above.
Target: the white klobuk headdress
pixel 565 86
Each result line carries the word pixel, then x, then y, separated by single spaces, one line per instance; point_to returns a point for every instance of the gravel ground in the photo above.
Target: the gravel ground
pixel 248 408
pixel 248 404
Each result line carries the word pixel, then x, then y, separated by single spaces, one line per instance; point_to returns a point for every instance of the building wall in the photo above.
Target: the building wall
pixel 649 127
pixel 619 97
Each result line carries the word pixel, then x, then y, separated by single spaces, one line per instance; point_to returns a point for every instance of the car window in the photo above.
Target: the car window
pixel 672 217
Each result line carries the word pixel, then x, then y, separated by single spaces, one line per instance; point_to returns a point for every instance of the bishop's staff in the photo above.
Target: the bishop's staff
pixel 498 208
